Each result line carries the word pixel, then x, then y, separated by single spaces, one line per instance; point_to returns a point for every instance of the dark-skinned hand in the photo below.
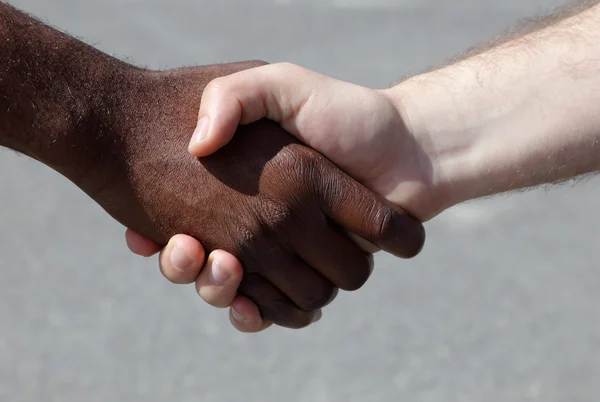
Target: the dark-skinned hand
pixel 275 204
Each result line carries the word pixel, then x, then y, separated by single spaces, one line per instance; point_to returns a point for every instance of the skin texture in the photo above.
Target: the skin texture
pixel 374 142
pixel 120 134
pixel 512 114
pixel 258 201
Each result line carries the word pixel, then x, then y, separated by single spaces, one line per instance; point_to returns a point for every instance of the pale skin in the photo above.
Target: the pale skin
pixel 521 114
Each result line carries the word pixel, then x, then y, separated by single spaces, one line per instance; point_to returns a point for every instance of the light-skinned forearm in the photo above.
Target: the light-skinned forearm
pixel 521 114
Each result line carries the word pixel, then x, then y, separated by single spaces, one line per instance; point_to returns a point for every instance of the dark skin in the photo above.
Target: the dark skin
pixel 120 133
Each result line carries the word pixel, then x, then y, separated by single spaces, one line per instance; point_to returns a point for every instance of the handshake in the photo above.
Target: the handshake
pixel 265 204
pixel 281 221
pixel 291 179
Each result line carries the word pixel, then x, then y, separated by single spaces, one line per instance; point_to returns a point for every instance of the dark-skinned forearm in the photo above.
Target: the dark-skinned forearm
pixel 55 93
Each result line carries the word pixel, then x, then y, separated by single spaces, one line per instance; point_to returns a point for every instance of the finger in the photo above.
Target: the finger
pixel 368 215
pixel 333 254
pixel 220 279
pixel 182 259
pixel 140 245
pixel 305 287
pixel 276 92
pixel 273 305
pixel 214 131
pixel 245 316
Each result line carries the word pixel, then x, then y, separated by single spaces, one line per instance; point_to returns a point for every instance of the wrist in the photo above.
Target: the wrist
pixel 88 140
pixel 90 147
pixel 446 133
pixel 513 117
pixel 445 149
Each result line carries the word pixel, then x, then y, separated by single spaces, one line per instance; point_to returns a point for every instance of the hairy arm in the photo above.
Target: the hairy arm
pixel 53 88
pixel 520 114
pixel 119 133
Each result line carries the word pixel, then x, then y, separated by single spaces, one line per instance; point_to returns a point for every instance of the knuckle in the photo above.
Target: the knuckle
pixel 301 163
pixel 310 161
pixel 384 218
pixel 296 155
pixel 275 215
pixel 378 219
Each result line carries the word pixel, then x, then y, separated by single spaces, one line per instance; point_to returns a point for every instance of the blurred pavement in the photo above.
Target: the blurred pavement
pixel 503 304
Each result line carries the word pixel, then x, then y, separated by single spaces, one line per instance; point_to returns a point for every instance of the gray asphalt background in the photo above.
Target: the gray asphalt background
pixel 503 304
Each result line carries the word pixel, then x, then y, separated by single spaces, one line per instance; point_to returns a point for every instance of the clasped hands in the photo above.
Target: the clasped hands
pixel 283 227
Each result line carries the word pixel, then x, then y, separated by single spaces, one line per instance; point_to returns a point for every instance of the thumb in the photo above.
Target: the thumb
pixel 276 92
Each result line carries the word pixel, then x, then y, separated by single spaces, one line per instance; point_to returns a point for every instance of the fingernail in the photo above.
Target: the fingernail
pixel 237 316
pixel 180 259
pixel 201 131
pixel 219 274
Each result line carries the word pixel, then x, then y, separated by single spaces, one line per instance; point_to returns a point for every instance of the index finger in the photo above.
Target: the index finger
pixel 370 216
